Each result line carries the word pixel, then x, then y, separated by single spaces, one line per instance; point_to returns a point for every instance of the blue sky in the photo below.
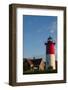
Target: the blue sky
pixel 36 31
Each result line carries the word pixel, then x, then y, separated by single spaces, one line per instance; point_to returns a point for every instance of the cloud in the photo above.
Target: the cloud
pixel 52 27
pixel 40 29
pixel 52 31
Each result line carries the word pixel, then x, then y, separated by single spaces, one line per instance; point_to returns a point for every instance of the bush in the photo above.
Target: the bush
pixel 50 68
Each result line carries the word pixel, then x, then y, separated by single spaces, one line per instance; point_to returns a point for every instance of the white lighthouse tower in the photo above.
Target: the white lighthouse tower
pixel 50 54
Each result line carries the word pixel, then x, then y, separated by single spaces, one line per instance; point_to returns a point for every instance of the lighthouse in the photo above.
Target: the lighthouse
pixel 50 54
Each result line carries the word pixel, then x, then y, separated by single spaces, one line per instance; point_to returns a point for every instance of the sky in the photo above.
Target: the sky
pixel 36 30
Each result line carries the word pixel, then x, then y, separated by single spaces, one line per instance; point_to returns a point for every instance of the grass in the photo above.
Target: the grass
pixel 39 72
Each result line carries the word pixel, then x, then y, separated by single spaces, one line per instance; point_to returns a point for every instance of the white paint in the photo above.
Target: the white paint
pixel 50 61
pixel 39 77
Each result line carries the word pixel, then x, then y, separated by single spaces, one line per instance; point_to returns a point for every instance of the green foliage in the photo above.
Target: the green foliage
pixel 50 70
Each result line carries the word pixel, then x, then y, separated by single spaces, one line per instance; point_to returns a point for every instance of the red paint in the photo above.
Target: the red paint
pixel 50 48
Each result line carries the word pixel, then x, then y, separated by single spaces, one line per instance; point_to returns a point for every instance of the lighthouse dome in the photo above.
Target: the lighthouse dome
pixel 50 38
pixel 50 41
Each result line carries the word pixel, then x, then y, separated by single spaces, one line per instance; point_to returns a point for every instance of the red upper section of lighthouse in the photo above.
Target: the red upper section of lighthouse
pixel 50 47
